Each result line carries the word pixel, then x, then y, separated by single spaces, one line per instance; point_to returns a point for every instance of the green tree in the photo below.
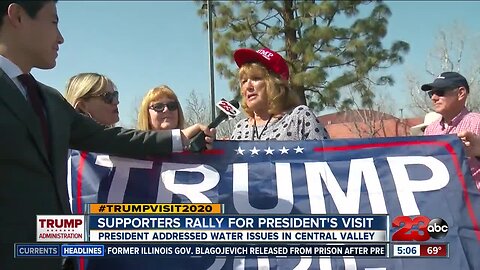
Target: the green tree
pixel 326 44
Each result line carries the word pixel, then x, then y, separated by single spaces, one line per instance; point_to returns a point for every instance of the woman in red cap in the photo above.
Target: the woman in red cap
pixel 273 109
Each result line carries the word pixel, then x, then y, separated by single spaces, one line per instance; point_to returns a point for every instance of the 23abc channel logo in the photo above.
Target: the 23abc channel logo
pixel 420 228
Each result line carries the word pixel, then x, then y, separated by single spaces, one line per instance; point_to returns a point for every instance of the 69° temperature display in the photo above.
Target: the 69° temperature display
pixel 420 250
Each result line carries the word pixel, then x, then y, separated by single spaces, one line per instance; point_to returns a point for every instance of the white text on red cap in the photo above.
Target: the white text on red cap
pixel 265 54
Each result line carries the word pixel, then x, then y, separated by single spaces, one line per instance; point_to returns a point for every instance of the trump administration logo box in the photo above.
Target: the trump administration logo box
pixel 60 228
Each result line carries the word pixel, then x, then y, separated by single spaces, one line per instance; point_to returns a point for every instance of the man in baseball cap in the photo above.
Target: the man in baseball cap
pixel 448 93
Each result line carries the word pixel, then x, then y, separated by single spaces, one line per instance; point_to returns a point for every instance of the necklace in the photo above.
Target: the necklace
pixel 255 130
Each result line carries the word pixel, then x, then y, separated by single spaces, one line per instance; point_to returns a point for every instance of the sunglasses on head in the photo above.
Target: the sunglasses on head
pixel 158 107
pixel 108 97
pixel 440 92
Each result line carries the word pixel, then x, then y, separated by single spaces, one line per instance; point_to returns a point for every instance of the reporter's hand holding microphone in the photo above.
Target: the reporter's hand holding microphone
pixel 194 131
pixel 202 136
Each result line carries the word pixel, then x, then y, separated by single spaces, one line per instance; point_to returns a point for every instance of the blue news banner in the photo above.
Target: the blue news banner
pixel 225 235
pixel 402 176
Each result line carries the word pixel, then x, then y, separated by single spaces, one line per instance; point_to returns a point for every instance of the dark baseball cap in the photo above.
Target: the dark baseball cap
pixel 447 80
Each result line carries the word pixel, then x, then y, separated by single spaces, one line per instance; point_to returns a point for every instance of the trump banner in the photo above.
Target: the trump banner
pixel 403 177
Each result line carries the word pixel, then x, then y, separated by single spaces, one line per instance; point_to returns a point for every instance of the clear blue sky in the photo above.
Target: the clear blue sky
pixel 142 44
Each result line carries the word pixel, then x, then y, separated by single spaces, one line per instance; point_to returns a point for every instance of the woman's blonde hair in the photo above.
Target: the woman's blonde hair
pixel 280 97
pixel 163 91
pixel 85 85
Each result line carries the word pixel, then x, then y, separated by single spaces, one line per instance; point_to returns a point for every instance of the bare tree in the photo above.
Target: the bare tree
pixel 132 121
pixel 455 50
pixel 367 121
pixel 197 111
pixel 371 124
pixel 420 102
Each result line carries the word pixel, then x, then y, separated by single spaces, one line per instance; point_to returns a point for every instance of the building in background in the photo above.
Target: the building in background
pixel 366 124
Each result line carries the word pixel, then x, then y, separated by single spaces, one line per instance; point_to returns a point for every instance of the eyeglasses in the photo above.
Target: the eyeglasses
pixel 158 107
pixel 108 97
pixel 440 92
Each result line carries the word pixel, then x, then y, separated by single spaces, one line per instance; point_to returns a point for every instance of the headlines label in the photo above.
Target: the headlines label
pixel 82 250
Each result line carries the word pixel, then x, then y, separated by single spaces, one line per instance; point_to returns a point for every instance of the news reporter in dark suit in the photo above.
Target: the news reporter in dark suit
pixel 38 126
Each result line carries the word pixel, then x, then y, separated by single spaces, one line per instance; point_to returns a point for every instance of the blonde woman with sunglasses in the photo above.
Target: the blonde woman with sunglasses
pixel 160 110
pixel 94 95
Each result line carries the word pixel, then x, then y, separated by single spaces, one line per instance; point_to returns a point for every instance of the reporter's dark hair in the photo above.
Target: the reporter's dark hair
pixel 31 7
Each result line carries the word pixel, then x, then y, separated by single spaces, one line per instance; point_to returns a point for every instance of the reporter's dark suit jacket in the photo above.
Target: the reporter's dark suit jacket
pixel 31 183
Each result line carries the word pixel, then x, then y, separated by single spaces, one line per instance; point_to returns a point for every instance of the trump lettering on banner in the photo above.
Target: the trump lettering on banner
pixel 403 176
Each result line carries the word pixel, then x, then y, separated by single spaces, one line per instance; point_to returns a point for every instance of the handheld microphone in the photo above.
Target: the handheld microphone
pixel 227 110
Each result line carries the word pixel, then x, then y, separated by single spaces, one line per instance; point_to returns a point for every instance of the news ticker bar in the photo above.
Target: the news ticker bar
pixel 189 250
pixel 420 250
pixel 154 208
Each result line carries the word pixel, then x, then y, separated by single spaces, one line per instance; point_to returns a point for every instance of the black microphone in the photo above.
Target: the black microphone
pixel 227 109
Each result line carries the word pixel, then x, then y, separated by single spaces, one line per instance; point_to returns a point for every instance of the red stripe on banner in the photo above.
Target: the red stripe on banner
pixel 373 145
pixel 214 152
pixel 82 263
pixel 83 157
pixel 447 146
pixel 207 152
pixel 464 187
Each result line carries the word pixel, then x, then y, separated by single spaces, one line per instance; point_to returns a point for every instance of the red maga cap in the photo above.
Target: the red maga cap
pixel 268 58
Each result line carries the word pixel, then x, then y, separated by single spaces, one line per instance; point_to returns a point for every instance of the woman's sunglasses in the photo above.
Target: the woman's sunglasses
pixel 158 107
pixel 440 92
pixel 108 97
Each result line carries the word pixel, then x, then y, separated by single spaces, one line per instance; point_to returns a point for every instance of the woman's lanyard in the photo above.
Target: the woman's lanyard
pixel 255 130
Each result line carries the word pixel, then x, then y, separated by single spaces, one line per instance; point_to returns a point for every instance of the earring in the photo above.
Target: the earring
pixel 85 113
pixel 81 111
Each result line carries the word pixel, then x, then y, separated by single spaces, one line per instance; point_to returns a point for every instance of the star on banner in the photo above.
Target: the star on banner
pixel 269 151
pixel 254 151
pixel 239 151
pixel 298 150
pixel 284 150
